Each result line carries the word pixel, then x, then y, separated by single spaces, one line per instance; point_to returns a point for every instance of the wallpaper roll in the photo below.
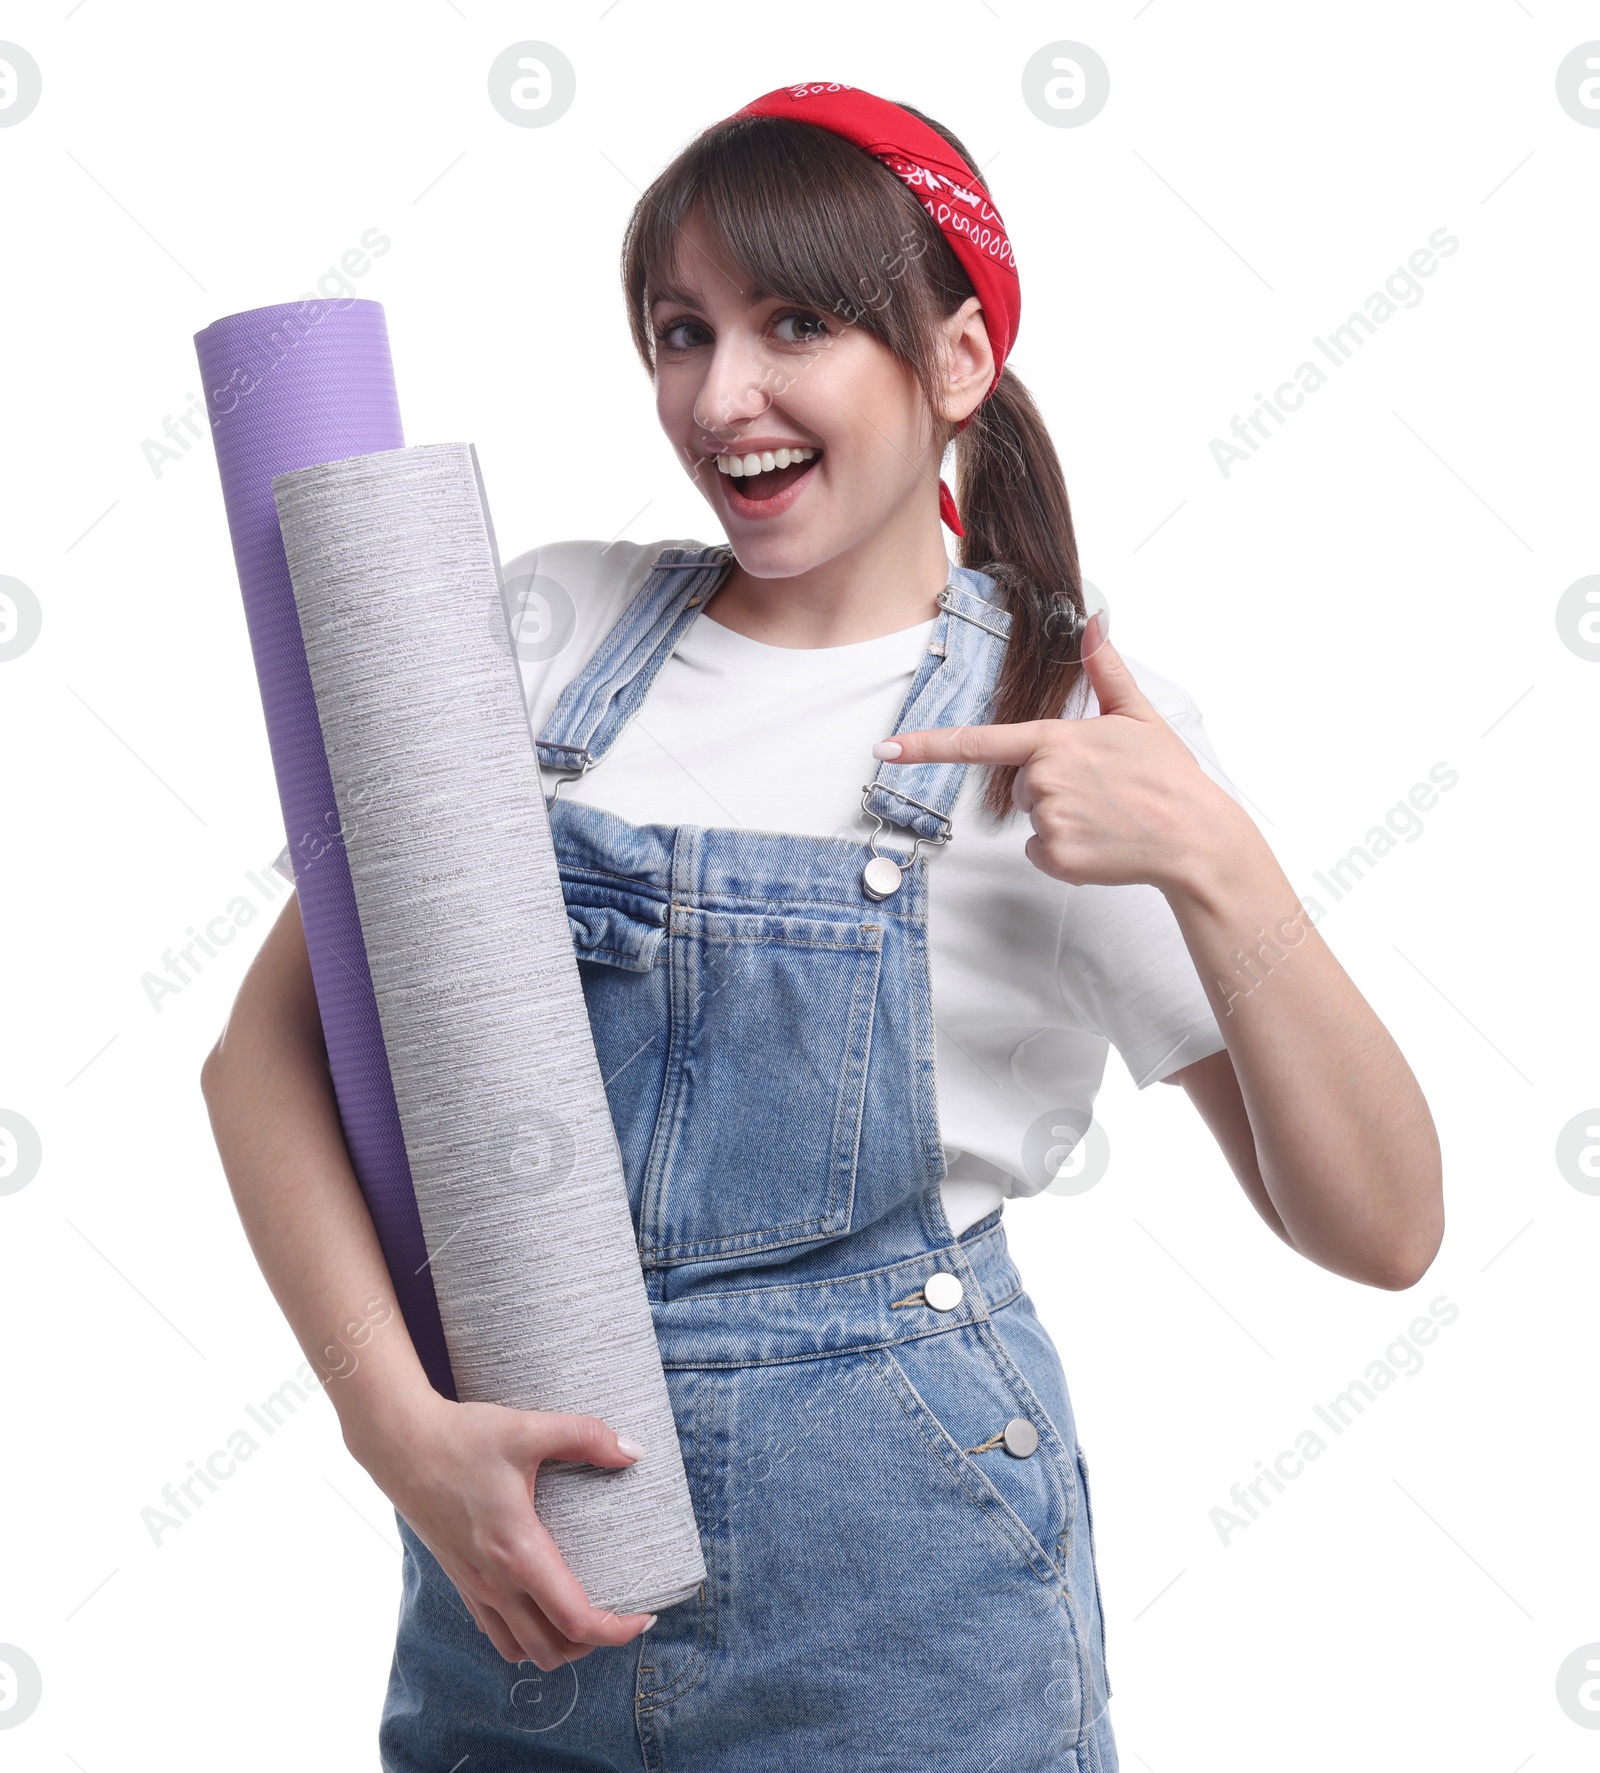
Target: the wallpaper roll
pixel 513 1153
pixel 286 387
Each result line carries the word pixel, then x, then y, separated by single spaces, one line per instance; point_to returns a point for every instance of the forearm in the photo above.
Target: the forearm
pixel 276 1124
pixel 1345 1143
pixel 461 1474
pixel 1340 1134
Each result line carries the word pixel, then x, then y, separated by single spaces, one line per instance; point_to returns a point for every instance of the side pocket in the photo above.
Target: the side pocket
pixel 674 1653
pixel 1094 1559
pixel 950 1401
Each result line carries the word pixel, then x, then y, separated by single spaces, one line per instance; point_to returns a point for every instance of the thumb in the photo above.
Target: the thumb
pixel 590 1439
pixel 1109 677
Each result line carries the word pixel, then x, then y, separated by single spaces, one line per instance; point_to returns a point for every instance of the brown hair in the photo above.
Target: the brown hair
pixel 814 219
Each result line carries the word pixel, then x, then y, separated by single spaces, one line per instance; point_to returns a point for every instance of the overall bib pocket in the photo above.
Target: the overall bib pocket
pixel 759 1126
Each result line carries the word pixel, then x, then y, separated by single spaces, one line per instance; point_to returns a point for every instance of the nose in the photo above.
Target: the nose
pixel 738 385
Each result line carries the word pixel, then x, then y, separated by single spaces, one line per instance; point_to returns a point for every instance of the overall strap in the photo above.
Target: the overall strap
pixel 602 698
pixel 954 686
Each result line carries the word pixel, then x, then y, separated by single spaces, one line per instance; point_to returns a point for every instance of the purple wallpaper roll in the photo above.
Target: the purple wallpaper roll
pixel 289 387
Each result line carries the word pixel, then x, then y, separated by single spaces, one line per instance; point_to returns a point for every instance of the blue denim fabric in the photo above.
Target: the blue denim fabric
pixel 881 1595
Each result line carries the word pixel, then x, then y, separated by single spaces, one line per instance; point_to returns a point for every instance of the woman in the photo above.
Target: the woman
pixel 830 997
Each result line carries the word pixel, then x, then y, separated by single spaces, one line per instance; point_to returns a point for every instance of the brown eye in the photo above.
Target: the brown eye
pixel 806 328
pixel 668 335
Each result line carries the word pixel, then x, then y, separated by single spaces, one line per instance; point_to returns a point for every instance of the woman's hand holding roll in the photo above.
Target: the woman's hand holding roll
pixel 464 1476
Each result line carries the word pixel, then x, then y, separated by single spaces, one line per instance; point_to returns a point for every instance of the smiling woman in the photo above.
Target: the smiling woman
pixel 838 981
pixel 785 287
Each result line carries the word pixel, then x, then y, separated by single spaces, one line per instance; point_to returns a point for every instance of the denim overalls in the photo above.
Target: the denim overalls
pixel 876 1428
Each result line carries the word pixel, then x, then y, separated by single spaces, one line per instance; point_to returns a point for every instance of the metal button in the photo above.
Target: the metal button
pixel 943 1291
pixel 1021 1437
pixel 881 877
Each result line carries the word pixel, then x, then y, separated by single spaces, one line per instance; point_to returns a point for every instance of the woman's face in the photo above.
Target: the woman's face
pixel 742 375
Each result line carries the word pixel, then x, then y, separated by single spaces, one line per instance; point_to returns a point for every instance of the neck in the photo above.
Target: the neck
pixel 887 582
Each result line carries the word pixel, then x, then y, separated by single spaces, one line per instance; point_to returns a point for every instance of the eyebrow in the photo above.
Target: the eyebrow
pixel 668 293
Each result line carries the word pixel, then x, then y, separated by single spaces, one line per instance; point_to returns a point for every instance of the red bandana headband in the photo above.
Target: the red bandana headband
pixel 947 187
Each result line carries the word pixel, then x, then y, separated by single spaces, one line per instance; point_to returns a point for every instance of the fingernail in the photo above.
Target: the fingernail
pixel 1098 627
pixel 650 1621
pixel 886 748
pixel 627 1444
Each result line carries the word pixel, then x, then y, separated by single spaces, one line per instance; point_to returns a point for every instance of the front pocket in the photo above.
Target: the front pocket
pixel 953 1397
pixel 759 1131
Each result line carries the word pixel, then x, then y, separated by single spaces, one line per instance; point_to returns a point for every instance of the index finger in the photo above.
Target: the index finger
pixel 1017 743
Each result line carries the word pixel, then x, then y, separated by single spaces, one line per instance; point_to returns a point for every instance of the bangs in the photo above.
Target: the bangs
pixel 811 219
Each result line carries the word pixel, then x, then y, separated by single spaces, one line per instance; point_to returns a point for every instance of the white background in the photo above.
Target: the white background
pixel 1373 592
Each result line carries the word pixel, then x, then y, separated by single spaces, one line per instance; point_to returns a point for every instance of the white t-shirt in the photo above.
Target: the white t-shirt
pixel 1031 978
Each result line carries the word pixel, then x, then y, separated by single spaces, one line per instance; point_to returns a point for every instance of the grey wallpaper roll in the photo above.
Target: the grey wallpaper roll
pixel 513 1153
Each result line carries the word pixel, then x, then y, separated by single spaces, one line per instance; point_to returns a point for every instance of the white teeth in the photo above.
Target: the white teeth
pixel 763 463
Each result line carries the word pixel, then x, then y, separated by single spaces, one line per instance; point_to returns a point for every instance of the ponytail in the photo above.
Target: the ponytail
pixel 1012 497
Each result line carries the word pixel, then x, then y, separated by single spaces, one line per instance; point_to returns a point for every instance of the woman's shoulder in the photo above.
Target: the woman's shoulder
pixel 563 598
pixel 591 570
pixel 568 594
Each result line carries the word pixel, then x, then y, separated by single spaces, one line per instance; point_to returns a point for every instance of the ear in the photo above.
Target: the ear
pixel 968 361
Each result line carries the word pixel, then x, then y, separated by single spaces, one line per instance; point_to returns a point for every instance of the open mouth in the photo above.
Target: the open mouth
pixel 759 479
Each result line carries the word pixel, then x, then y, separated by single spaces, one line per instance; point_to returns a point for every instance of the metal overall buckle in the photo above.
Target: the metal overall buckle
pixel 570 776
pixel 882 875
